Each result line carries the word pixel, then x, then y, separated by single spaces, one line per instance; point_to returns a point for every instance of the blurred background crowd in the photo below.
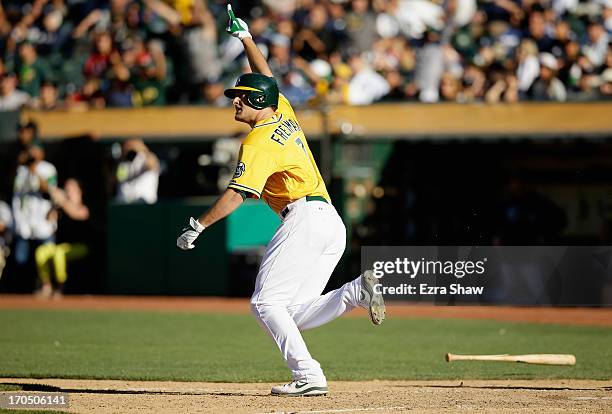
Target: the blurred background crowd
pixel 131 53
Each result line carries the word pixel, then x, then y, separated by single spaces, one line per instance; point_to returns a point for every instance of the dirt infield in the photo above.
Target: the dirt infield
pixel 568 316
pixel 558 396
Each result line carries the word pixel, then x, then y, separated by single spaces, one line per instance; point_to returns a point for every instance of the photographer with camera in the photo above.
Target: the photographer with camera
pixel 32 204
pixel 137 173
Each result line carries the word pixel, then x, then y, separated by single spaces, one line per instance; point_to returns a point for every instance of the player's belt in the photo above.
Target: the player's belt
pixel 316 198
pixel 285 211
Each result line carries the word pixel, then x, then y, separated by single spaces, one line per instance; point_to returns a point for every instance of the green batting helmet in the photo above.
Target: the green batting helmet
pixel 262 90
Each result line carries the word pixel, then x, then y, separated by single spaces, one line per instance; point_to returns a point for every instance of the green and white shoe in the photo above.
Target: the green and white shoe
pixel 300 388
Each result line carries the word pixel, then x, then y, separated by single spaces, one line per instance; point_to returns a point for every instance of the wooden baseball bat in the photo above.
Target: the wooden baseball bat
pixel 546 359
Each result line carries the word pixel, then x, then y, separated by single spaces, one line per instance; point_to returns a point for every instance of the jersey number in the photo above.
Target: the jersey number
pixel 301 144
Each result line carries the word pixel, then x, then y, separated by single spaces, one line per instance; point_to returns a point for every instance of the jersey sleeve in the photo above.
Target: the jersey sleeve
pixel 48 172
pixel 52 178
pixel 254 167
pixel 284 106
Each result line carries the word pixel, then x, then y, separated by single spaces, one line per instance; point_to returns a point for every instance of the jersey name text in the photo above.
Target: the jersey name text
pixel 283 132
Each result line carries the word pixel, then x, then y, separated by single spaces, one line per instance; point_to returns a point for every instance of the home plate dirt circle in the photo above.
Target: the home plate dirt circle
pixel 522 396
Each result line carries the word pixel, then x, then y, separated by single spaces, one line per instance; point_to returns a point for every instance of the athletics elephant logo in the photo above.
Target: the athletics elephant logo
pixel 240 168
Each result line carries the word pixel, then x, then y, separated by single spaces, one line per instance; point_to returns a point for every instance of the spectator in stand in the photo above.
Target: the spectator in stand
pixel 317 38
pixel 118 90
pixel 547 87
pixel 49 97
pixel 280 60
pixel 607 15
pixel 5 29
pixel 361 26
pixel 99 61
pixel 149 75
pixel 281 7
pixel 539 32
pixel 137 173
pixel 417 17
pixel 605 89
pixel 597 45
pixel 398 90
pixel 53 34
pixel 563 36
pixel 295 88
pixel 69 215
pixel 366 85
pixel 474 81
pixel 570 72
pixel 429 67
pixel 90 96
pixel 212 93
pixel 504 88
pixel 32 70
pixel 450 87
pixel 200 42
pixel 11 98
pixel 608 64
pixel 197 42
pixel 528 68
pixel 22 20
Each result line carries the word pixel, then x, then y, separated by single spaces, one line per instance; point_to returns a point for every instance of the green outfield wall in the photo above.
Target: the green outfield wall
pixel 143 258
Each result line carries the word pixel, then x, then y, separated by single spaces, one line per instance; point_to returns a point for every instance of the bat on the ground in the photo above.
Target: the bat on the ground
pixel 546 359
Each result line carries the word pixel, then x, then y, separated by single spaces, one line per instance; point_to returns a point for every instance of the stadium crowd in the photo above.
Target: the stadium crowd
pixel 130 53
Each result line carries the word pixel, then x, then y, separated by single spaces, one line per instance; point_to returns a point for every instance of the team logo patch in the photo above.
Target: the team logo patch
pixel 239 170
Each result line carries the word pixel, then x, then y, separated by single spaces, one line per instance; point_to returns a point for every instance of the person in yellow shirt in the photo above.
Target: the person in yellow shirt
pixel 276 164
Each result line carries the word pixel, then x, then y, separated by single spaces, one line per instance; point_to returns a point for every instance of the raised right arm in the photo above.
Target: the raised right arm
pixel 238 28
pixel 256 59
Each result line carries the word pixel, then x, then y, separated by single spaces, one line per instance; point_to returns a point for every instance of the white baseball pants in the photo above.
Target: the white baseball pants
pixel 297 264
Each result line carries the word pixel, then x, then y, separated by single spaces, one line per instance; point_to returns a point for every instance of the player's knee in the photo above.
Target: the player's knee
pixel 262 311
pixel 42 252
pixel 258 310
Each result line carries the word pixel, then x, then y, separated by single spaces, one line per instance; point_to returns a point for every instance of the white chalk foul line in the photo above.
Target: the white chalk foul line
pixel 343 410
pixel 186 390
pixel 590 398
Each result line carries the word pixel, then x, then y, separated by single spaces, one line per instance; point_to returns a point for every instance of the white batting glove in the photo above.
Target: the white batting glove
pixel 190 234
pixel 236 27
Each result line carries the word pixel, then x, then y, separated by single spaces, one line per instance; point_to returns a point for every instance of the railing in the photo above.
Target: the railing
pixel 403 121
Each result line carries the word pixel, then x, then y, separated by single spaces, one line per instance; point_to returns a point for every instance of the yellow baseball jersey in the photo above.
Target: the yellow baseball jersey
pixel 275 162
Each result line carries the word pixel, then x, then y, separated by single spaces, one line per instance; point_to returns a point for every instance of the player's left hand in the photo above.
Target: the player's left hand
pixel 189 234
pixel 236 27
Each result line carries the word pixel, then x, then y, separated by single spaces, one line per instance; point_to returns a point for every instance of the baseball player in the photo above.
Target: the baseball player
pixel 275 163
